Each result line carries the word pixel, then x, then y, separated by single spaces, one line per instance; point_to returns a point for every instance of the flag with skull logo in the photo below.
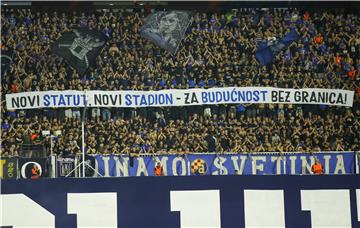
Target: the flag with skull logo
pixel 166 29
pixel 80 48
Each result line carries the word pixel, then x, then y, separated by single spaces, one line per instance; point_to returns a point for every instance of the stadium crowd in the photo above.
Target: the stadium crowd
pixel 218 50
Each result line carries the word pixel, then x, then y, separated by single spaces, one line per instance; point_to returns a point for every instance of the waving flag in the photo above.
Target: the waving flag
pixel 166 29
pixel 266 54
pixel 80 48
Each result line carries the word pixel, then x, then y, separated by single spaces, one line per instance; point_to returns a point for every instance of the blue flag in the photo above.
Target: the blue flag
pixel 266 54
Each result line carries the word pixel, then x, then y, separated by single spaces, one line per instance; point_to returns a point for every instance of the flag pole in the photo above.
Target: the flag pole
pixel 83 146
pixel 83 135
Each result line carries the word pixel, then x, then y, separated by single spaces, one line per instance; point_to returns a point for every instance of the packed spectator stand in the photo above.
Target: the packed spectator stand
pixel 217 51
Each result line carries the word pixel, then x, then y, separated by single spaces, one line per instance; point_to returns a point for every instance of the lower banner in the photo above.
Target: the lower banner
pixel 8 168
pixel 33 168
pixel 225 164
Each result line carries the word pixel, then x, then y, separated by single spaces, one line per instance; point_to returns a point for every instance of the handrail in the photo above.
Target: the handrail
pixel 227 153
pixel 40 145
pixel 35 150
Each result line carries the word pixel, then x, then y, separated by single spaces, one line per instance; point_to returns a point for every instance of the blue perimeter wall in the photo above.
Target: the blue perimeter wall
pixel 145 201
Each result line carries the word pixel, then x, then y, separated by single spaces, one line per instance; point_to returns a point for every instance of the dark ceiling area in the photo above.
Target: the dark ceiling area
pixel 171 5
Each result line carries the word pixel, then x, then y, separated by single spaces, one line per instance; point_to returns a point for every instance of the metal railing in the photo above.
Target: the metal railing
pixel 32 150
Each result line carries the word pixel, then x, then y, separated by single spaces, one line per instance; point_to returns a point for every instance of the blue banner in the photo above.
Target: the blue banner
pixel 225 164
pixel 265 54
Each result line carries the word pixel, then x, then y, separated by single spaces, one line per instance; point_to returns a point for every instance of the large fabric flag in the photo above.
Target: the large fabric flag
pixel 266 54
pixel 166 29
pixel 80 48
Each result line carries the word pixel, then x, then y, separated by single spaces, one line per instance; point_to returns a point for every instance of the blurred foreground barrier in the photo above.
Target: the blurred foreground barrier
pixel 208 201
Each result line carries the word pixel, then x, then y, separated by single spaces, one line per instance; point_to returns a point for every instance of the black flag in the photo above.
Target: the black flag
pixel 266 54
pixel 166 29
pixel 80 48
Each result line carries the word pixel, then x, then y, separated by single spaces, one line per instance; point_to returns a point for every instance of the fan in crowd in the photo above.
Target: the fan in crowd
pixel 218 50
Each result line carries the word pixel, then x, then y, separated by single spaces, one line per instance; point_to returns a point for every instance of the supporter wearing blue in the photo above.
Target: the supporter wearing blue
pixel 216 52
